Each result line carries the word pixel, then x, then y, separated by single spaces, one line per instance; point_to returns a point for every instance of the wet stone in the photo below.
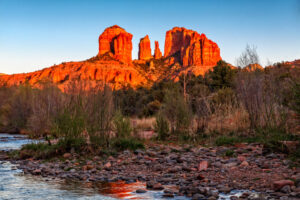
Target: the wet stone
pixel 139 191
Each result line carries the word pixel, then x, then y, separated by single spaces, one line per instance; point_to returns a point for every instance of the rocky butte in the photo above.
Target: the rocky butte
pixel 193 49
pixel 185 51
pixel 117 41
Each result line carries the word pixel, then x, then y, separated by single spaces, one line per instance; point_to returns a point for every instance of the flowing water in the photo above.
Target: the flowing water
pixel 14 185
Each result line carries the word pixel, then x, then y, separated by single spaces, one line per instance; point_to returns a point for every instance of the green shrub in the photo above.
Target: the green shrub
pixel 67 144
pixel 225 96
pixel 221 76
pixel 152 108
pixel 229 153
pixel 43 150
pixel 121 144
pixel 271 139
pixel 38 151
pixel 122 125
pixel 17 108
pixel 226 140
pixel 162 127
pixel 68 125
pixel 36 146
pixel 177 110
pixel 296 98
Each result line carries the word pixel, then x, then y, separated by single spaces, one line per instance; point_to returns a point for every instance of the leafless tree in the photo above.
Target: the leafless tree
pixel 47 103
pixel 262 97
pixel 249 56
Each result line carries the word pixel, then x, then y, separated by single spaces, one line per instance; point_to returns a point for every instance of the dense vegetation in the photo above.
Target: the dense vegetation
pixel 225 106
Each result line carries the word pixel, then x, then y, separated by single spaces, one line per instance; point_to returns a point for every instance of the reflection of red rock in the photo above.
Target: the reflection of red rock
pixel 194 49
pixel 157 52
pixel 117 41
pixel 120 189
pixel 145 49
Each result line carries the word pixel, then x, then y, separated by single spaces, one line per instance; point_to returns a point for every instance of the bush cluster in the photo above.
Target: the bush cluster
pixel 225 100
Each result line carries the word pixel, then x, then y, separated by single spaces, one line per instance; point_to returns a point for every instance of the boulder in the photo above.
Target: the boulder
pixel 157 186
pixel 203 165
pixel 277 185
pixel 67 155
pixel 139 191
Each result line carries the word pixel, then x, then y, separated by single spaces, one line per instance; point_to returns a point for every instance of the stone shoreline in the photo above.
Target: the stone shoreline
pixel 198 172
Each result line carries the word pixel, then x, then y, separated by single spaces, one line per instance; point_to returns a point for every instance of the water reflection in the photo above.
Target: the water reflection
pixel 122 190
pixel 13 185
pixel 16 186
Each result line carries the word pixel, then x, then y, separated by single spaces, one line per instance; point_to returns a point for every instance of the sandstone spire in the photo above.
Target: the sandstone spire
pixel 157 52
pixel 145 48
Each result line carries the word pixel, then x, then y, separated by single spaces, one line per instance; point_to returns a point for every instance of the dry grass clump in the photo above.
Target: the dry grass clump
pixel 143 123
pixel 235 121
pixel 143 127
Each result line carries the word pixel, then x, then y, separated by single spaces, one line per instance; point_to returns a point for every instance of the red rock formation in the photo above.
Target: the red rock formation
pixel 193 49
pixel 253 67
pixel 91 73
pixel 116 41
pixel 182 48
pixel 145 48
pixel 157 52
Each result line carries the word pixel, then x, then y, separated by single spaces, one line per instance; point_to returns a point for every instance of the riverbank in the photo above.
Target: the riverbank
pixel 198 172
pixel 14 184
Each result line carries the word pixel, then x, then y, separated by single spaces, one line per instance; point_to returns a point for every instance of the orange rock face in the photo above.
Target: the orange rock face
pixel 116 41
pixel 157 52
pixel 113 65
pixel 145 48
pixel 253 67
pixel 192 48
pixel 90 72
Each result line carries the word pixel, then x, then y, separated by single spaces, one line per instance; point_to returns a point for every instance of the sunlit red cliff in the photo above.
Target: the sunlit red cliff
pixel 185 50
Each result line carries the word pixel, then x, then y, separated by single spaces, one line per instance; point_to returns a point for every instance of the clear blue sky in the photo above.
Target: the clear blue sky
pixel 35 34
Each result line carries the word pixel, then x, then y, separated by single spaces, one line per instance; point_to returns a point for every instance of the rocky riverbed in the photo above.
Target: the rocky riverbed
pixel 198 172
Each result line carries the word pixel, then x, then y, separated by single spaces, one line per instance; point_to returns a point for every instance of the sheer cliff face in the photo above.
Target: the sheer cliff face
pixel 145 48
pixel 185 50
pixel 117 41
pixel 191 48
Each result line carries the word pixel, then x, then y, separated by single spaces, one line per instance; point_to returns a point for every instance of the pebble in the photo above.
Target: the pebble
pixel 198 172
